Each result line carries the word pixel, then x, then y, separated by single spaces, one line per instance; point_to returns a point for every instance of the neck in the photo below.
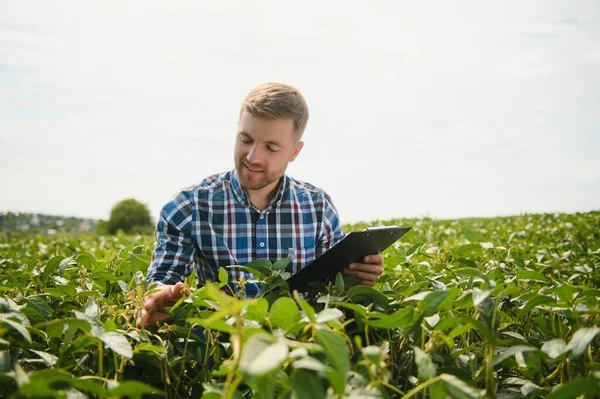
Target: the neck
pixel 263 197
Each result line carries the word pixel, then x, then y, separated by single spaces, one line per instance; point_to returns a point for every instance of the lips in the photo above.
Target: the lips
pixel 252 169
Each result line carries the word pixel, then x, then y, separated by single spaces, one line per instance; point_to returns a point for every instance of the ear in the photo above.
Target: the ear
pixel 297 148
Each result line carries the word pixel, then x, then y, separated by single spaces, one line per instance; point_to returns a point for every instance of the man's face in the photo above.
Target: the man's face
pixel 263 149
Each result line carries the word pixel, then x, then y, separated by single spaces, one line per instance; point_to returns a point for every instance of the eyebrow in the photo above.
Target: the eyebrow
pixel 270 142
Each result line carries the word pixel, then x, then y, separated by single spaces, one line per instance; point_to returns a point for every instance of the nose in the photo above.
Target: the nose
pixel 254 155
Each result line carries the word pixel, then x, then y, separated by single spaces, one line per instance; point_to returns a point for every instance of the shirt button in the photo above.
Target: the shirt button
pixel 262 244
pixel 243 203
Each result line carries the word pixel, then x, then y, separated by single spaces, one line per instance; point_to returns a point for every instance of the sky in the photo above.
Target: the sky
pixel 432 108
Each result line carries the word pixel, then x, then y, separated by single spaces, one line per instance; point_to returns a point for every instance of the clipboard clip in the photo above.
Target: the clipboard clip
pixel 380 228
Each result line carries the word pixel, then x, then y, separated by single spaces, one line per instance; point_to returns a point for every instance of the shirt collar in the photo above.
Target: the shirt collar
pixel 242 197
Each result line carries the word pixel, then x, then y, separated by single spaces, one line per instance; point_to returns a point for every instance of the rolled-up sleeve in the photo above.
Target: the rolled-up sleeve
pixel 175 256
pixel 331 228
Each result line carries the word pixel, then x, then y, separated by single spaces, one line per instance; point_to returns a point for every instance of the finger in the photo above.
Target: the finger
pixel 367 283
pixel 367 276
pixel 176 292
pixel 367 268
pixel 156 317
pixel 167 296
pixel 150 303
pixel 375 259
pixel 139 318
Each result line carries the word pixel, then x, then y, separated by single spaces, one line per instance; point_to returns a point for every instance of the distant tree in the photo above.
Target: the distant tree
pixel 130 216
pixel 102 227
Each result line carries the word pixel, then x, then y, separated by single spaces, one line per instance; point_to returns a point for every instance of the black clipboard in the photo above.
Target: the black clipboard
pixel 352 248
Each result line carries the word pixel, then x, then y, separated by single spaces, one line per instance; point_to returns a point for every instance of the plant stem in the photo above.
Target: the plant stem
pixel 100 359
pixel 421 387
pixel 391 387
pixel 237 338
pixel 490 383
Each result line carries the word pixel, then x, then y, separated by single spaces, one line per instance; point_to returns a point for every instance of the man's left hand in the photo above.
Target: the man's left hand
pixel 368 272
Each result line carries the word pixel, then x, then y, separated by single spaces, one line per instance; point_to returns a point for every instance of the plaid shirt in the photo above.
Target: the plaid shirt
pixel 214 225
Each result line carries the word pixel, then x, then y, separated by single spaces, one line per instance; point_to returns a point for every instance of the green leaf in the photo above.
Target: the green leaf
pixel 339 282
pixel 258 309
pixel 139 261
pixel 425 366
pixel 361 310
pixel 554 348
pixel 50 267
pixel 223 275
pixel 480 327
pixel 86 260
pixel 429 305
pixel 284 313
pixel 472 272
pixel 337 381
pixel 581 339
pixel 214 322
pixel 263 266
pixel 133 390
pixel 527 275
pixel 373 353
pixel 146 347
pixel 48 358
pixel 536 300
pixel 17 326
pixel 281 264
pixel 335 349
pixel 54 328
pixel 513 350
pixel 414 248
pixel 308 385
pixel 45 383
pixel 309 363
pixel 458 389
pixel 470 264
pixel 575 388
pixel 124 286
pixel 329 314
pixel 86 385
pixel 261 274
pixel 264 388
pixel 469 235
pixel 96 328
pixel 5 361
pixel 404 318
pixel 305 306
pixel 360 293
pixel 565 292
pixel 63 265
pixel 118 343
pixel 485 306
pixel 464 251
pixel 262 356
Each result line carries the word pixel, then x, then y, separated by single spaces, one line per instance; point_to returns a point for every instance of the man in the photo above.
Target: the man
pixel 252 212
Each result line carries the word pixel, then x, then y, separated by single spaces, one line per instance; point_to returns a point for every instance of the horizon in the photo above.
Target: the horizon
pixel 345 223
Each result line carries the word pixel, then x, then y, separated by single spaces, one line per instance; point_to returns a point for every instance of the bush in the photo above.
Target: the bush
pixel 130 216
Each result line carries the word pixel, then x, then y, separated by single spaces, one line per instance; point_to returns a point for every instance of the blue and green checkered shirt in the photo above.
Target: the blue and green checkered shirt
pixel 213 225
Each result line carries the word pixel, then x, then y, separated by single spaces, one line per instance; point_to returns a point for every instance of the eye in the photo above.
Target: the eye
pixel 271 149
pixel 245 139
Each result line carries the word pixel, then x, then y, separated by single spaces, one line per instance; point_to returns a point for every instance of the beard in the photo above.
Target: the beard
pixel 256 180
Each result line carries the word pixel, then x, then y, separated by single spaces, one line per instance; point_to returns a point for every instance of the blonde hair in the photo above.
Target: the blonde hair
pixel 277 100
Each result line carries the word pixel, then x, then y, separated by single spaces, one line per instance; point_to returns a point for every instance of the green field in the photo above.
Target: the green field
pixel 478 308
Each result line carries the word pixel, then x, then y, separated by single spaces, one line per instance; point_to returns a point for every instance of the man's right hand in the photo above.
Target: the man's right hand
pixel 167 296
